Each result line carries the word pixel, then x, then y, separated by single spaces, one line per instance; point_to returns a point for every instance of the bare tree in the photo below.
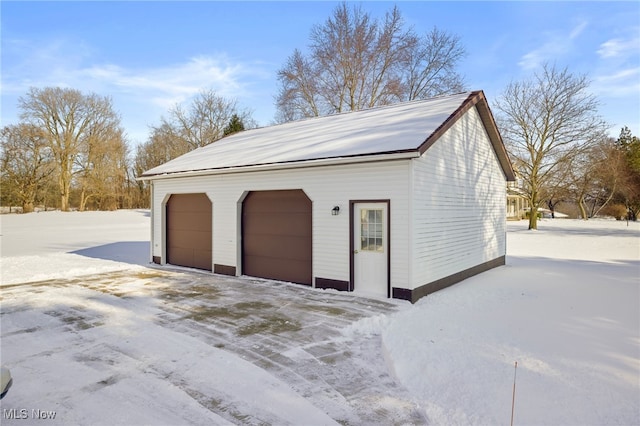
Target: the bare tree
pixel 163 145
pixel 431 66
pixel 26 164
pixel 356 62
pixel 558 190
pixel 546 121
pixel 68 119
pixel 591 179
pixel 583 180
pixel 202 121
pixel 102 168
pixel 206 119
pixel 299 93
pixel 608 177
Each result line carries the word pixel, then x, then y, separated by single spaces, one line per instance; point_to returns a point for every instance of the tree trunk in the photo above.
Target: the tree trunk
pixel 595 213
pixel 533 210
pixel 27 199
pixel 583 210
pixel 64 181
pixel 64 197
pixel 83 200
pixel 533 218
pixel 64 200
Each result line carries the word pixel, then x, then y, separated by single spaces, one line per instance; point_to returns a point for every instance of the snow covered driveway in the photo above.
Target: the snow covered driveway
pixel 163 347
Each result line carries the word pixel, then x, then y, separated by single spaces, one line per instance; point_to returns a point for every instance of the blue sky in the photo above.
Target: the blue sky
pixel 148 56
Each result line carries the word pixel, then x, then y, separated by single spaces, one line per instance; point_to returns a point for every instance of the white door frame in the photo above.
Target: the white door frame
pixel 352 247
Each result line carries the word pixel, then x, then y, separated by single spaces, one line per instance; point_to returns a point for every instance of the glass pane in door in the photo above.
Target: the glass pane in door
pixel 371 235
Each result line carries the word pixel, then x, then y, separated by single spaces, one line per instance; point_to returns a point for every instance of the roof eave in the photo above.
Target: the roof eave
pixel 389 156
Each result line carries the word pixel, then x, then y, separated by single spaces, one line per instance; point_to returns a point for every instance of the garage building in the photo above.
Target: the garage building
pixel 397 201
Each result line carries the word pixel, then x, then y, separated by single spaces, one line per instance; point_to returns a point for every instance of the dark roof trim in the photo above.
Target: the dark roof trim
pixel 478 100
pixel 315 162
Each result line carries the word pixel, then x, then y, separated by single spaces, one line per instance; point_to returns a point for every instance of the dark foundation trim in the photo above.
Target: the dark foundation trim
pixel 334 284
pixel 157 259
pixel 414 295
pixel 224 270
pixel 401 293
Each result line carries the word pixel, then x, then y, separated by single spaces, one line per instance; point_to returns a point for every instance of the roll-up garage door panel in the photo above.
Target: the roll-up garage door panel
pixel 189 230
pixel 271 247
pixel 290 224
pixel 277 235
pixel 278 269
pixel 193 239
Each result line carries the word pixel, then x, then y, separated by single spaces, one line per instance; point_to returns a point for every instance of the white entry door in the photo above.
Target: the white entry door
pixel 371 248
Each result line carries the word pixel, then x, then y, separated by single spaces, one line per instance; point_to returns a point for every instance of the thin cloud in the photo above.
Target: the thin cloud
pixel 558 44
pixel 620 83
pixel 533 59
pixel 141 95
pixel 60 63
pixel 575 32
pixel 173 83
pixel 35 63
pixel 617 47
pixel 618 73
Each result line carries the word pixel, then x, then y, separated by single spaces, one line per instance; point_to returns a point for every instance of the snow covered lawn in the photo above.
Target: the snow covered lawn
pixel 110 340
pixel 47 245
pixel 566 308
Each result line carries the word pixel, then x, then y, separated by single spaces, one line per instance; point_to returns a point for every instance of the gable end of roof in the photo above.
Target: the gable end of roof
pixel 478 100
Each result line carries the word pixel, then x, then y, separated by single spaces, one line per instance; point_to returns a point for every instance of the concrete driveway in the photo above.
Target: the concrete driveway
pixel 312 340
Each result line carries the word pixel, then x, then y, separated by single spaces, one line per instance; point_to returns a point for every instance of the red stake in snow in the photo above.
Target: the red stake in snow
pixel 513 398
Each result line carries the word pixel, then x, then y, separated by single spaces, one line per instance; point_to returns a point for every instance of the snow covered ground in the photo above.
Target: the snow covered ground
pixel 48 245
pixel 109 348
pixel 566 308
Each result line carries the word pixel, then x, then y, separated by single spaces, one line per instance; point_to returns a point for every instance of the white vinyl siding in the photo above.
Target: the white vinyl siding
pixel 458 215
pixel 326 186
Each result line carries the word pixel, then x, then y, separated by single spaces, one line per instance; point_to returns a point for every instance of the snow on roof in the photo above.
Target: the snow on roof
pixel 391 129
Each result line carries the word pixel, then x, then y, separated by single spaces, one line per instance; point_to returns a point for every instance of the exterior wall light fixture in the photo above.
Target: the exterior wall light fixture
pixel 335 211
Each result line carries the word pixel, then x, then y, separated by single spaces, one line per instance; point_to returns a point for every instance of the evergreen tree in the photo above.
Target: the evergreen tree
pixel 630 195
pixel 235 125
pixel 631 146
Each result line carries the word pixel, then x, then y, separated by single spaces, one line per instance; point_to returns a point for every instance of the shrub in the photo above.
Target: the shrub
pixel 619 211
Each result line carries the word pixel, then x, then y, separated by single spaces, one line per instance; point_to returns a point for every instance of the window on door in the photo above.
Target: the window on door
pixel 371 238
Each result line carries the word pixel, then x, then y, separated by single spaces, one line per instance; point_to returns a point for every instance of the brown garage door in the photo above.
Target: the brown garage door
pixel 189 230
pixel 276 235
